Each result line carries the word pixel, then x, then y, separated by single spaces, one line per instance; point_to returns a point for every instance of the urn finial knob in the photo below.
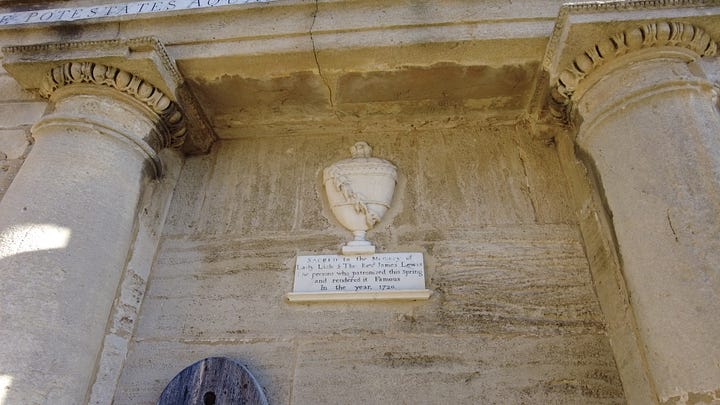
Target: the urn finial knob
pixel 361 150
pixel 360 191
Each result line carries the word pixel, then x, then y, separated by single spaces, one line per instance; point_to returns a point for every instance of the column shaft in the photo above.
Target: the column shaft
pixel 651 128
pixel 66 226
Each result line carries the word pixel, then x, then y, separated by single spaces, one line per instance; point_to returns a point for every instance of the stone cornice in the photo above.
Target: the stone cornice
pixel 134 43
pixel 655 34
pixel 594 36
pixel 613 6
pixel 98 74
pixel 602 6
pixel 145 56
pixel 139 67
pixel 119 9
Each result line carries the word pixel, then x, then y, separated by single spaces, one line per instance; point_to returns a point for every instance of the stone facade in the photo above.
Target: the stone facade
pixel 558 166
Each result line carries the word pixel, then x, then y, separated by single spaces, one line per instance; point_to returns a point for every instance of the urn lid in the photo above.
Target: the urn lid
pixel 362 162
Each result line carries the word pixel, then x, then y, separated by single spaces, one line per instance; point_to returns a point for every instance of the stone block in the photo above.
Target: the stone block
pixel 21 114
pixel 478 175
pixel 11 90
pixel 8 169
pixel 512 295
pixel 478 369
pixel 13 143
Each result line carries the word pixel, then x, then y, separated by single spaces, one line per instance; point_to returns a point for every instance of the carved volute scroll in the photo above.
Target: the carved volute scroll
pixel 170 117
pixel 651 35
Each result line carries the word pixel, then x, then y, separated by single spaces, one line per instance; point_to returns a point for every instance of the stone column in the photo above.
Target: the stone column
pixel 67 224
pixel 648 122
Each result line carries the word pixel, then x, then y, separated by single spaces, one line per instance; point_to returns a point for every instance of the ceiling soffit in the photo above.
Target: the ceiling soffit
pixel 294 67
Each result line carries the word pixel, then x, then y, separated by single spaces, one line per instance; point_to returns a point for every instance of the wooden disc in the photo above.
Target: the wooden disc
pixel 213 381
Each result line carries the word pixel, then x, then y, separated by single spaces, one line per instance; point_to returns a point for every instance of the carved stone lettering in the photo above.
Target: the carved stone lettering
pixel 379 272
pixel 113 10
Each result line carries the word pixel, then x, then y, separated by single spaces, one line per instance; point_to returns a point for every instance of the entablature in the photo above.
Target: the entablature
pixel 298 66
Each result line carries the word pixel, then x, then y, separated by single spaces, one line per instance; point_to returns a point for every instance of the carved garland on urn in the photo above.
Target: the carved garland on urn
pixel 359 191
pixel 99 74
pixel 656 34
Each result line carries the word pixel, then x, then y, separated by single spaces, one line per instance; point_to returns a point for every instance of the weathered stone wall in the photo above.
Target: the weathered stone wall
pixel 608 281
pixel 524 248
pixel 19 110
pixel 513 317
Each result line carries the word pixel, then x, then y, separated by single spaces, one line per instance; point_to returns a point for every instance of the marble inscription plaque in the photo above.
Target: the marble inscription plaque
pixel 113 10
pixel 378 276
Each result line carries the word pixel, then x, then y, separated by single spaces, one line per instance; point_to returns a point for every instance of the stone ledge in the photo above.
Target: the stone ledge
pixel 409 295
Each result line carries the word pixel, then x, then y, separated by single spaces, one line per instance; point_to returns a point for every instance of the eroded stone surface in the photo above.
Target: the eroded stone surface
pixel 454 94
pixel 121 328
pixel 513 315
pixel 14 145
pixel 403 97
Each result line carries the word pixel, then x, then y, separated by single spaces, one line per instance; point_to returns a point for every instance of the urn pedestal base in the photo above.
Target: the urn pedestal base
pixel 358 246
pixel 353 248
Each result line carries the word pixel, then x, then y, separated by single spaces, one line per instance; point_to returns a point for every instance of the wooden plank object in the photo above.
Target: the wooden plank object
pixel 213 381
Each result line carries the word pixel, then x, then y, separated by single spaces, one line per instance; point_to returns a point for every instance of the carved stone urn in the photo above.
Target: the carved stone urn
pixel 360 191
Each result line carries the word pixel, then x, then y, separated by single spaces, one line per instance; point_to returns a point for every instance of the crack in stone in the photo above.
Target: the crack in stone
pixel 317 62
pixel 526 189
pixel 671 226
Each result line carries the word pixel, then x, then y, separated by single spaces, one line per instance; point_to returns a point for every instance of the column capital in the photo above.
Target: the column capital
pixel 171 121
pixel 589 40
pixel 140 68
